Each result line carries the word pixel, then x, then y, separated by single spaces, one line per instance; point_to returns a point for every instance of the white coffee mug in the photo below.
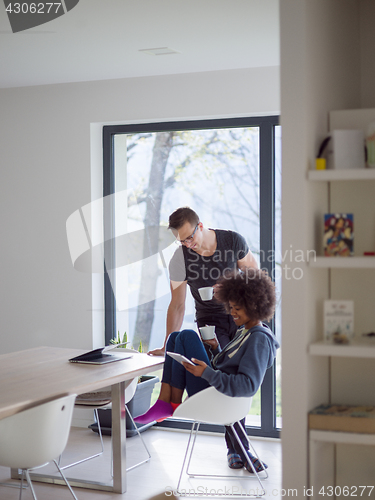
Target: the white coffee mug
pixel 207 332
pixel 206 292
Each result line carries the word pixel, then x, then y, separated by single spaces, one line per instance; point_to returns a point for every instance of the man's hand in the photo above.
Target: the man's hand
pixel 196 370
pixel 157 352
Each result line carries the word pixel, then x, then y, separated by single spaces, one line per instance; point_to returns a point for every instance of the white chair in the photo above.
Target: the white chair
pixel 213 407
pixel 94 401
pixel 34 437
pixel 104 402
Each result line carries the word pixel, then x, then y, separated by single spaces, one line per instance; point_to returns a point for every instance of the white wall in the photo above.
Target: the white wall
pixel 45 164
pixel 319 72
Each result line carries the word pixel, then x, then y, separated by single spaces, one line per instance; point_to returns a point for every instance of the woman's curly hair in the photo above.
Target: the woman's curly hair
pixel 251 289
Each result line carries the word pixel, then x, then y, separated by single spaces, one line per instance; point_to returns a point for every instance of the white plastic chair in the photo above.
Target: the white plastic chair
pixel 102 400
pixel 34 437
pixel 104 403
pixel 213 407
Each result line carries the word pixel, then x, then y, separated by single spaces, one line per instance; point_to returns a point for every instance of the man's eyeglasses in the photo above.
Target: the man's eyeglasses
pixel 189 238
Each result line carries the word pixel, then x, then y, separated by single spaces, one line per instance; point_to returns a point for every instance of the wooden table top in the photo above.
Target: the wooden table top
pixel 32 376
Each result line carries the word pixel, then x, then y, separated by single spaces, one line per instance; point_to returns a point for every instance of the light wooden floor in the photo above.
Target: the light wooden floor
pixel 161 473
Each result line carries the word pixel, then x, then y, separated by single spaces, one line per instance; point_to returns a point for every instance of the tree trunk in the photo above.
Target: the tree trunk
pixel 145 312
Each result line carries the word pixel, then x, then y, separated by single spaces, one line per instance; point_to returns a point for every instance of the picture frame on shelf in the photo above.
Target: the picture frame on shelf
pixel 338 239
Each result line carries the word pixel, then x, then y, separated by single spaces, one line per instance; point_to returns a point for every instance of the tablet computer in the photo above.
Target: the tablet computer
pixel 180 358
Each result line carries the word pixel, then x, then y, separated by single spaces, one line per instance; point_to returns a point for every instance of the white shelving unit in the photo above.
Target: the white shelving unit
pixel 323 443
pixel 366 262
pixel 342 437
pixel 356 349
pixel 355 174
pixel 358 174
pixel 322 453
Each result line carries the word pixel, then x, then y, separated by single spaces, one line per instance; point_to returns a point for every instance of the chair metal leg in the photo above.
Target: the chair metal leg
pixel 11 485
pixel 92 456
pixel 144 444
pixel 189 453
pixel 250 462
pixel 192 448
pixel 64 478
pixel 27 474
pixel 102 447
pixel 183 463
pixel 28 479
pixel 21 486
pixel 253 450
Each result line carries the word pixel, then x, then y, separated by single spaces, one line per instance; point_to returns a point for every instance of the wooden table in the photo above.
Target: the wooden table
pixel 32 376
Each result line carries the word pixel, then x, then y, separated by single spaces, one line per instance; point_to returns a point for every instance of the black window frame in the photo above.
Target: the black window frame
pixel 266 126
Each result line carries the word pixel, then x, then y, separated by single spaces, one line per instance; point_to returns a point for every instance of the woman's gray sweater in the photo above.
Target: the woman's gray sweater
pixel 238 369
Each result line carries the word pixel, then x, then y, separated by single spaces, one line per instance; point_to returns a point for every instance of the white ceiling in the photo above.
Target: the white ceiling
pixel 102 39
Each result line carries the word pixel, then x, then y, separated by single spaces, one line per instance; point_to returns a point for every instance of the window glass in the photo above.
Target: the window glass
pixel 215 171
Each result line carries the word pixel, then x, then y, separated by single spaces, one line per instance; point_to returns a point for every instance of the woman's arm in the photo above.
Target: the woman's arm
pixel 252 367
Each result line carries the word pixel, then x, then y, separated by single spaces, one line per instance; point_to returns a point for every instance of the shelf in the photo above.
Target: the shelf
pixel 356 349
pixel 343 262
pixel 357 174
pixel 342 437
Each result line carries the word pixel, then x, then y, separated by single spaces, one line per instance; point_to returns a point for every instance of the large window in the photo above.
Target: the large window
pixel 223 169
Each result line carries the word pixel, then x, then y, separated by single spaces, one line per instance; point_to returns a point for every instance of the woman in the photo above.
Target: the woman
pixel 238 369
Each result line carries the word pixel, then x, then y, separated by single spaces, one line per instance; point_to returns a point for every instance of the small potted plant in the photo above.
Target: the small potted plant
pixel 118 340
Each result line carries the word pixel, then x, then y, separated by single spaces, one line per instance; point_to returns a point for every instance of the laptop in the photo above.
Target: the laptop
pixel 100 356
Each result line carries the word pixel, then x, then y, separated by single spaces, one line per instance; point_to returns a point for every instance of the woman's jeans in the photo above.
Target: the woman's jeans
pixel 189 344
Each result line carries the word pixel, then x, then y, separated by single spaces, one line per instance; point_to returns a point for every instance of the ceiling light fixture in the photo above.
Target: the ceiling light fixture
pixel 159 51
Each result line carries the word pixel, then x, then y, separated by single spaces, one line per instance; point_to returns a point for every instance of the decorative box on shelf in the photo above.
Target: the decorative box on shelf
pixel 343 418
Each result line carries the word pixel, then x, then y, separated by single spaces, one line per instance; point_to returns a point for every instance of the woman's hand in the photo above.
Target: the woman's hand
pixel 213 343
pixel 196 370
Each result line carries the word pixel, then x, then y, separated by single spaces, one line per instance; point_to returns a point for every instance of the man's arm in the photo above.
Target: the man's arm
pixel 175 313
pixel 247 261
pixel 176 309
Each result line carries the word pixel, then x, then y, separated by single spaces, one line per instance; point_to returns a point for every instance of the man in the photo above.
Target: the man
pixel 203 257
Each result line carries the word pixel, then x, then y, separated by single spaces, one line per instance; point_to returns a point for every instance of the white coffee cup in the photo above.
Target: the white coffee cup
pixel 207 332
pixel 206 292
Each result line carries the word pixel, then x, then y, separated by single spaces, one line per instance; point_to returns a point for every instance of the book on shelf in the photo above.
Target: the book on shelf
pixel 338 320
pixel 338 237
pixel 329 417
